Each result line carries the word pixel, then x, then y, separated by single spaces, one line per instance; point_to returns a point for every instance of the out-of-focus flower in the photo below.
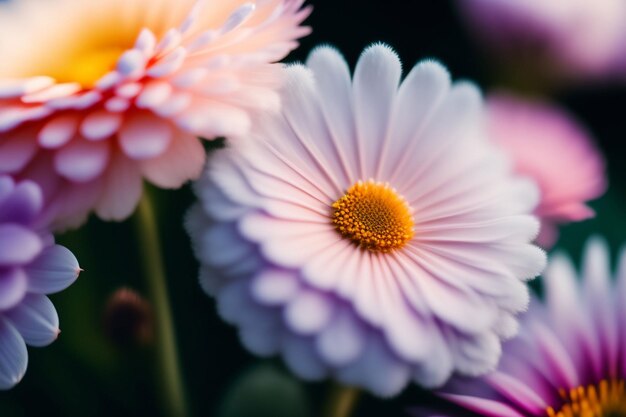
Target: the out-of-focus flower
pixel 97 95
pixel 549 146
pixel 570 357
pixel 31 265
pixel 128 319
pixel 369 232
pixel 558 39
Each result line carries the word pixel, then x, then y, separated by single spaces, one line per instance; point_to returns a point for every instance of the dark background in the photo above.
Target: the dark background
pixel 84 374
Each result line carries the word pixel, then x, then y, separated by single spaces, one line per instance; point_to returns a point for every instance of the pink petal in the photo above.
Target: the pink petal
pixel 182 161
pixel 145 136
pixel 81 160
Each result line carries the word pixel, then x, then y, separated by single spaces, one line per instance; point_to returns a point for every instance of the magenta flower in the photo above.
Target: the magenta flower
pixel 31 266
pixel 549 146
pixel 561 39
pixel 370 231
pixel 96 96
pixel 570 357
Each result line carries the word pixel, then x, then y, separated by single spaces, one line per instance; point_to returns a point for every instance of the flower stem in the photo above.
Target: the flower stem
pixel 341 401
pixel 154 271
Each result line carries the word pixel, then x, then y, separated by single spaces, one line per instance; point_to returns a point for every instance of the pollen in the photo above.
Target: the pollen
pixel 374 217
pixel 606 399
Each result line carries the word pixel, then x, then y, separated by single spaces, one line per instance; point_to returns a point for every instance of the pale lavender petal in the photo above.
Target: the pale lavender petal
pixel 13 286
pixel 13 355
pixel 54 270
pixel 36 320
pixel 18 245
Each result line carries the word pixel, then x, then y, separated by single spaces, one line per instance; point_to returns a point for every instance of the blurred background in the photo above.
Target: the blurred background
pixel 102 363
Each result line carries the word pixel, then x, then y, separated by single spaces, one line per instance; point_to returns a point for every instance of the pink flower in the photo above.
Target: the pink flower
pixel 560 39
pixel 96 96
pixel 370 231
pixel 549 146
pixel 570 357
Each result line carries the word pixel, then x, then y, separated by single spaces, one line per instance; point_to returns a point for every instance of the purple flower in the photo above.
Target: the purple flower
pixel 31 265
pixel 573 39
pixel 370 231
pixel 570 357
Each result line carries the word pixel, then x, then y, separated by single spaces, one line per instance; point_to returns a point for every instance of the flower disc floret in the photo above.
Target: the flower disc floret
pixel 605 399
pixel 373 216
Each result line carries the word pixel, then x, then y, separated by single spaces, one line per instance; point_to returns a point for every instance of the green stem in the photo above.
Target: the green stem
pixel 154 271
pixel 341 401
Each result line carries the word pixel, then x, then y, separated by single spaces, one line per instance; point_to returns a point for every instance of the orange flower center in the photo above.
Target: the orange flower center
pixel 606 399
pixel 87 67
pixel 374 217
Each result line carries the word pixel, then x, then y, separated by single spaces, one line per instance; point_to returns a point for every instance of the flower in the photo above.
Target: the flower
pixel 369 232
pixel 31 266
pixel 97 95
pixel 549 145
pixel 570 357
pixel 565 40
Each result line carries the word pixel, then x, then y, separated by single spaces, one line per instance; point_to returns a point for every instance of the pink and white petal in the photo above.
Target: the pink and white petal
pixel 301 109
pixel 144 135
pixel 55 269
pixel 13 355
pixel 463 104
pixel 376 80
pixel 419 96
pixel 214 119
pixel 82 160
pixel 100 124
pixel 121 191
pixel 36 320
pixel 58 131
pixel 455 304
pixel 182 161
pixel 334 86
pixel 13 286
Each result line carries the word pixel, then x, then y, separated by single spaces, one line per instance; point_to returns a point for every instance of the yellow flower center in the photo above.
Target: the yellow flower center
pixel 86 68
pixel 606 399
pixel 374 217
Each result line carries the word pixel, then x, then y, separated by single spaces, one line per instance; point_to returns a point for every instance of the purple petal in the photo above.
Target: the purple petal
pixel 22 205
pixel 13 285
pixel 36 320
pixel 13 355
pixel 6 187
pixel 54 270
pixel 18 245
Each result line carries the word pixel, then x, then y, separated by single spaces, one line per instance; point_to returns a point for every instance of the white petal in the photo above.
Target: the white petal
pixel 376 80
